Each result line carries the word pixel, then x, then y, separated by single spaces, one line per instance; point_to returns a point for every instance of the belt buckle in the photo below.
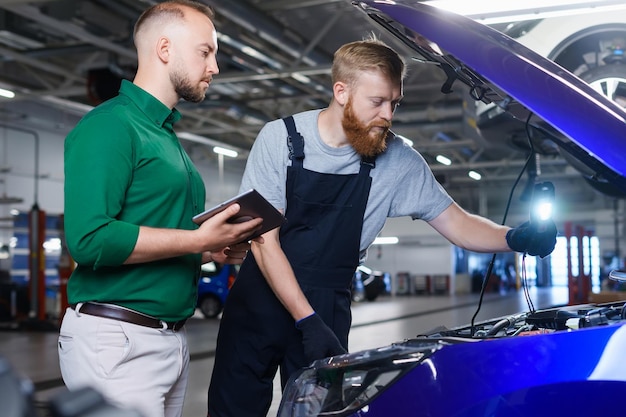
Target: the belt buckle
pixel 174 326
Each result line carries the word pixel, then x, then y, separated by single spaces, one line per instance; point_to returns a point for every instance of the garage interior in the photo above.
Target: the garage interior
pixel 63 57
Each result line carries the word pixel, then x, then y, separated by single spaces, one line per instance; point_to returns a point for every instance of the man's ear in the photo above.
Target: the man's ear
pixel 163 49
pixel 341 92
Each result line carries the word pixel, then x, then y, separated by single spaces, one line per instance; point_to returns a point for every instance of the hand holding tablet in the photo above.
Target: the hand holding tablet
pixel 252 205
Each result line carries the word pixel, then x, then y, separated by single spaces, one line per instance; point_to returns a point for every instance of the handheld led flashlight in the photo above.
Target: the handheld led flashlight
pixel 542 203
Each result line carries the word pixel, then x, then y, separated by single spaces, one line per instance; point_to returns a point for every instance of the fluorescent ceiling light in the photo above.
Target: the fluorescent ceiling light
pixel 474 175
pixel 65 104
pixel 478 7
pixel 492 12
pixel 248 50
pixel 443 160
pixel 390 240
pixel 6 93
pixel 224 151
pixel 301 78
pixel 192 137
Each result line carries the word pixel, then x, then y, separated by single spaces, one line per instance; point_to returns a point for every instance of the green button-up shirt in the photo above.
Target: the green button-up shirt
pixel 124 167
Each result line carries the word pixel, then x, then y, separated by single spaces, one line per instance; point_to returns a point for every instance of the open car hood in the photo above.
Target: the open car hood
pixel 588 128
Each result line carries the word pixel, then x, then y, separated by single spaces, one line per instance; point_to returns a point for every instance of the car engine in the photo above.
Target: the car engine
pixel 539 322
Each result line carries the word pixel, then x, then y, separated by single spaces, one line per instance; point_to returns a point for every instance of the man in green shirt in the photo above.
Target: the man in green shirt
pixel 130 194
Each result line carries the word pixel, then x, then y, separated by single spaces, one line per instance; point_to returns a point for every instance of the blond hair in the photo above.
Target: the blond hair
pixel 369 54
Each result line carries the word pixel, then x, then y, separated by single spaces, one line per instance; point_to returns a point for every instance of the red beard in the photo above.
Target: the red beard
pixel 364 140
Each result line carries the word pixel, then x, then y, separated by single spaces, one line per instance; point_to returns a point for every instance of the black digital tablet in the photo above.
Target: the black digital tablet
pixel 252 205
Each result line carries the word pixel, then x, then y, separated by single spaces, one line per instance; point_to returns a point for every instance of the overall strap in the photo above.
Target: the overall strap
pixel 295 141
pixel 368 162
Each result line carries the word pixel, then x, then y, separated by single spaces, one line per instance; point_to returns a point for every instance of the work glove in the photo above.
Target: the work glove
pixel 318 339
pixel 536 239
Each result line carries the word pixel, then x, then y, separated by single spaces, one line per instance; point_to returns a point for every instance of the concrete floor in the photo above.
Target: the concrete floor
pixel 33 354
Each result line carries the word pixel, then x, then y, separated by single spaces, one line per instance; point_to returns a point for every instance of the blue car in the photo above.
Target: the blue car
pixel 215 282
pixel 564 361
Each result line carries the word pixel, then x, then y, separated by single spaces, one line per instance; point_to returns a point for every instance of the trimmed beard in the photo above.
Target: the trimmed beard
pixel 184 89
pixel 363 139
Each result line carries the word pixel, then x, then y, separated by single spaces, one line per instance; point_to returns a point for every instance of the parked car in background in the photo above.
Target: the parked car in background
pixel 368 284
pixel 215 282
pixel 558 362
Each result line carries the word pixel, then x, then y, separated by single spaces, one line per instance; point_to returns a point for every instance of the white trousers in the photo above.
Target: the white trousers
pixel 132 366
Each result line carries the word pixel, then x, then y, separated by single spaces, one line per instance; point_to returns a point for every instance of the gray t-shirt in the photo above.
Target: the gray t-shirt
pixel 402 182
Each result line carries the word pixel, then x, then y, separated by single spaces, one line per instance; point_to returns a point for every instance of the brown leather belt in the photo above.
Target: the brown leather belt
pixel 114 312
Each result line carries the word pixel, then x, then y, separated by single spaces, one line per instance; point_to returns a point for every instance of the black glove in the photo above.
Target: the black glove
pixel 318 339
pixel 532 238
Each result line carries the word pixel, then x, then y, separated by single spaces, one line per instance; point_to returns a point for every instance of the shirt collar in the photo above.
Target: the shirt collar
pixel 155 110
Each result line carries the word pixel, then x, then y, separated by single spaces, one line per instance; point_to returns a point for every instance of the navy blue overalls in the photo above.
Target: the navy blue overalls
pixel 321 239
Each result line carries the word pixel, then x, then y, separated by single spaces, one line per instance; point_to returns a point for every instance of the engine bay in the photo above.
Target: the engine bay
pixel 539 322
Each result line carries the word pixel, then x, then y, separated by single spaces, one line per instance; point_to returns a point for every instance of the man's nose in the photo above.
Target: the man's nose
pixel 213 68
pixel 386 111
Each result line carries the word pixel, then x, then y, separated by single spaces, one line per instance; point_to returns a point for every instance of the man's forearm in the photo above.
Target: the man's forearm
pixel 154 244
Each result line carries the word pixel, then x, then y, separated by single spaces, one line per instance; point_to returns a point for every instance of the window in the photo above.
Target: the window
pixel 590 261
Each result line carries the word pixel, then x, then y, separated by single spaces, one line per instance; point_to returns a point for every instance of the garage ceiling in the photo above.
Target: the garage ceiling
pixel 63 56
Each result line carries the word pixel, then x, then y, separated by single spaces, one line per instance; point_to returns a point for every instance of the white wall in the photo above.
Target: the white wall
pixel 18 169
pixel 421 250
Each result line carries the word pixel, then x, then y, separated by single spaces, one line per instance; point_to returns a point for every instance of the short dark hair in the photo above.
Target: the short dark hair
pixel 171 9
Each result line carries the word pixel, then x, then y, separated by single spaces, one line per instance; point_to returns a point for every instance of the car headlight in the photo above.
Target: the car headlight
pixel 343 384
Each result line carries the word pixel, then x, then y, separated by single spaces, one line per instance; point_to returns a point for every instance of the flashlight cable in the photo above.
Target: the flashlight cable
pixel 531 156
